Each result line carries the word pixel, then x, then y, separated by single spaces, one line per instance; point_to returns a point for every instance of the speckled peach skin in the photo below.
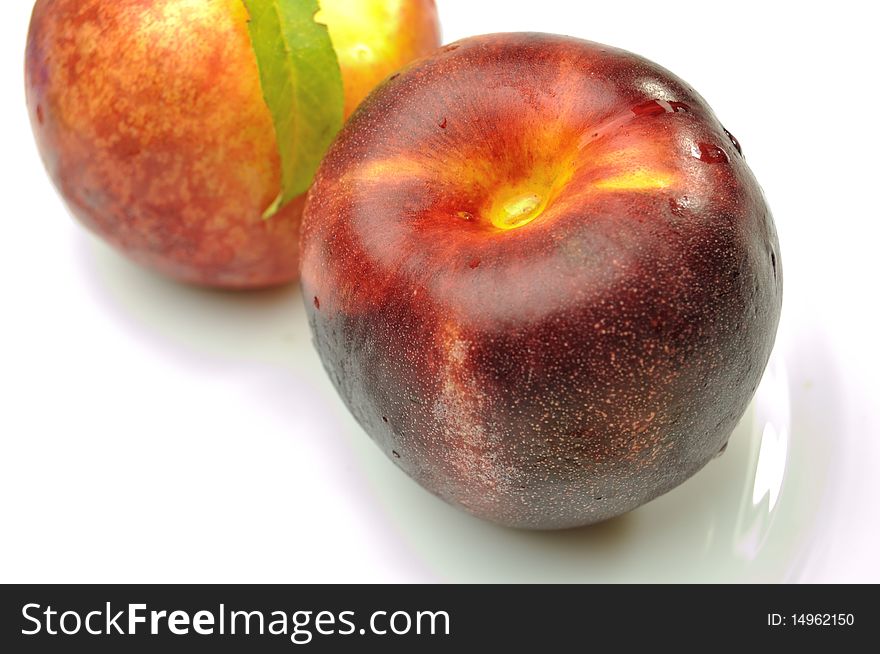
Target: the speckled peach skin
pixel 542 277
pixel 150 119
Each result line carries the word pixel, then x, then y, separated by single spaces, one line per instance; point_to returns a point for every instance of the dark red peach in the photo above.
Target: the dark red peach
pixel 542 277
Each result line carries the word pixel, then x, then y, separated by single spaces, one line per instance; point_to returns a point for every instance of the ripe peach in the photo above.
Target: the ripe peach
pixel 151 122
pixel 542 277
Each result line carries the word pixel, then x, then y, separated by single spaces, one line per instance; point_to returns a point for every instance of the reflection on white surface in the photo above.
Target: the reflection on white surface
pixel 771 465
pixel 769 456
pixel 774 413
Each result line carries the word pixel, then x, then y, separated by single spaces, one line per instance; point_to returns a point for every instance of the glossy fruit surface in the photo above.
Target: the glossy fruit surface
pixel 150 119
pixel 542 277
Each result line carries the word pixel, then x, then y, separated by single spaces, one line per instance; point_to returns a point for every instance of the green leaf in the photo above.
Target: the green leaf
pixel 302 86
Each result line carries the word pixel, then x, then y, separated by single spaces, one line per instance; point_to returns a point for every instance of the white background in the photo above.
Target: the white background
pixel 151 432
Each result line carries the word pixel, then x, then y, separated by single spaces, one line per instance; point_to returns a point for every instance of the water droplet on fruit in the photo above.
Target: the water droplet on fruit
pixel 649 108
pixel 658 107
pixel 678 206
pixel 475 263
pixel 733 140
pixel 40 117
pixel 316 302
pixel 395 454
pixel 709 153
pixel 442 123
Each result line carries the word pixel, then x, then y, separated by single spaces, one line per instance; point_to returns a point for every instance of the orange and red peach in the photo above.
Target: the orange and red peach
pixel 151 122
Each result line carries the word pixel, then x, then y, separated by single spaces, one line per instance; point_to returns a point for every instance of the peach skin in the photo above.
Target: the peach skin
pixel 542 277
pixel 150 119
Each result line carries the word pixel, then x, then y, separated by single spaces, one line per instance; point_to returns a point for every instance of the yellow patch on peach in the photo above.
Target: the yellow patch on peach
pixel 639 179
pixel 516 209
pixel 374 37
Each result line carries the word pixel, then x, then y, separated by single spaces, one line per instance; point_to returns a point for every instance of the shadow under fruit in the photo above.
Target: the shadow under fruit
pixel 542 277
